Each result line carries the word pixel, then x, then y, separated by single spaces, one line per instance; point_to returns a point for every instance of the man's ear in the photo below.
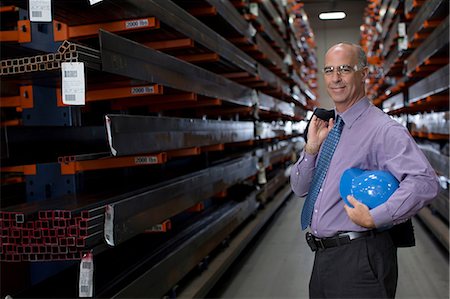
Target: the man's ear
pixel 365 73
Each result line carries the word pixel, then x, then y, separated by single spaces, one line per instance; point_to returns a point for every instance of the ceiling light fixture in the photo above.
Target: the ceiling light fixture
pixel 334 15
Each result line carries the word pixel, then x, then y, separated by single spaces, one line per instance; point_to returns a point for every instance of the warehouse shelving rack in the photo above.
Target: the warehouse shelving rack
pixel 185 134
pixel 410 49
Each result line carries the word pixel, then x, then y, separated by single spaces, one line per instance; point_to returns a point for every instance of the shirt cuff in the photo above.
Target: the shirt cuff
pixel 308 160
pixel 381 216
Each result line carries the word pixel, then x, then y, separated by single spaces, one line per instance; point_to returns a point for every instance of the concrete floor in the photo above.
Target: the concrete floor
pixel 278 264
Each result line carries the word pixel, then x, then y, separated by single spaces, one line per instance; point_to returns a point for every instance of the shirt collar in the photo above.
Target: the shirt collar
pixel 354 112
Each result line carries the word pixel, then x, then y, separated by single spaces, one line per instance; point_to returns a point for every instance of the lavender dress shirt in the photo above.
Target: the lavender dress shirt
pixel 370 140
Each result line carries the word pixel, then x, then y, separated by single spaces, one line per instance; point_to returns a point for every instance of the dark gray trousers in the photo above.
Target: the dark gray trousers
pixel 365 268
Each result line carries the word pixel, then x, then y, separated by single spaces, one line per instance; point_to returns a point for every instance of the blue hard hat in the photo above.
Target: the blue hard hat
pixel 371 187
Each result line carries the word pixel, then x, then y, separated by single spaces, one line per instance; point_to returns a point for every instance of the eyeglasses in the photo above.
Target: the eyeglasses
pixel 344 69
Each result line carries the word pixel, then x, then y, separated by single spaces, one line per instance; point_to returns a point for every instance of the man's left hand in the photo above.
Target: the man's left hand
pixel 359 214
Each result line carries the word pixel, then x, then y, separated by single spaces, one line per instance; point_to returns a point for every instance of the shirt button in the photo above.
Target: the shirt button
pixel 306 159
pixel 296 173
pixel 320 190
pixel 315 211
pixel 315 232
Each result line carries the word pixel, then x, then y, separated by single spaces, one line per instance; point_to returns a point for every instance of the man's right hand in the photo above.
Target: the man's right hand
pixel 317 132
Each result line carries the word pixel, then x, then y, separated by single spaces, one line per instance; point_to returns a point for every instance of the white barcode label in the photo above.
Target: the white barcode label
pixel 109 225
pixel 254 9
pixel 40 10
pixel 70 74
pixel 142 90
pixel 85 286
pixel 136 23
pixel 145 160
pixel 73 83
pixel 92 2
pixel 36 14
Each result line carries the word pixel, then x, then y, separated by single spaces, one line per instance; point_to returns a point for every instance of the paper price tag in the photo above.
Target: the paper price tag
pixel 85 286
pixel 92 2
pixel 73 83
pixel 109 225
pixel 40 10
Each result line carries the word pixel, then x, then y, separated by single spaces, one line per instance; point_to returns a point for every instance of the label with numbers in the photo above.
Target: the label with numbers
pixel 40 10
pixel 73 83
pixel 142 90
pixel 136 23
pixel 145 160
pixel 85 286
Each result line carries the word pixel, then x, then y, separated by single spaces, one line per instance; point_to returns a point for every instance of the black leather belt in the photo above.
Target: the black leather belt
pixel 338 240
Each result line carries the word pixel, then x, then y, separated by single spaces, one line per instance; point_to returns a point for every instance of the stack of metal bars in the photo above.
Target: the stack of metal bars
pixel 49 234
pixel 67 52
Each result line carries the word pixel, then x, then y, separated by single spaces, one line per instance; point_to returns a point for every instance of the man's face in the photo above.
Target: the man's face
pixel 343 86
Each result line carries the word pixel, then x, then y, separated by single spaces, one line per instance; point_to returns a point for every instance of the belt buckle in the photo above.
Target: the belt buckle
pixel 310 239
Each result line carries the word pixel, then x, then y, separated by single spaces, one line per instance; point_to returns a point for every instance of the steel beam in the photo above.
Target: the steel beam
pixel 129 135
pixel 124 57
pixel 179 19
pixel 229 13
pixel 134 214
pixel 434 83
pixel 188 254
pixel 437 42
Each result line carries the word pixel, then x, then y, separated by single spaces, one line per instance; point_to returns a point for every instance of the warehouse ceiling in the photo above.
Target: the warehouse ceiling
pixel 354 9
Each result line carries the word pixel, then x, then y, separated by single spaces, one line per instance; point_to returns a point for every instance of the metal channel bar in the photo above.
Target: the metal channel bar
pixel 439 162
pixel 134 214
pixel 179 19
pixel 275 156
pixel 437 226
pixel 390 60
pixel 127 58
pixel 388 18
pixel 281 8
pixel 409 6
pixel 394 103
pixel 267 4
pixel 285 108
pixel 441 204
pixel 434 83
pixel 233 17
pixel 201 285
pixel 145 134
pixel 186 256
pixel 391 37
pixel 428 9
pixel 271 54
pixel 266 102
pixel 270 31
pixel 437 41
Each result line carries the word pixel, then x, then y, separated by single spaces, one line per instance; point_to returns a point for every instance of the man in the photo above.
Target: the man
pixel 355 256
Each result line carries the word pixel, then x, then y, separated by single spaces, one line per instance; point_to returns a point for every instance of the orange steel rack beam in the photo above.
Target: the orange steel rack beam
pixel 74 167
pixel 200 58
pixel 152 100
pixel 21 35
pixel 117 93
pixel 23 100
pixel 63 31
pixel 182 43
pixel 23 169
pixel 8 8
